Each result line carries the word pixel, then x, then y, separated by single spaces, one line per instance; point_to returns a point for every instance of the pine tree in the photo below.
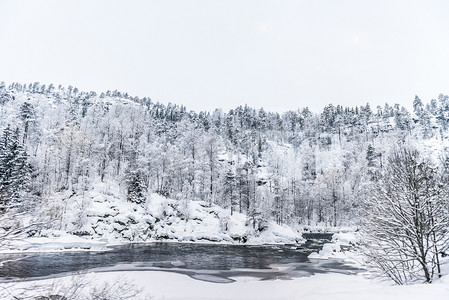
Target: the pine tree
pixel 136 187
pixel 229 190
pixel 373 164
pixel 5 96
pixel 418 107
pixel 15 170
pixel 27 114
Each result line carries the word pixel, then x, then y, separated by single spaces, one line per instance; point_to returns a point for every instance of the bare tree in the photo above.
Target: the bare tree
pixel 407 222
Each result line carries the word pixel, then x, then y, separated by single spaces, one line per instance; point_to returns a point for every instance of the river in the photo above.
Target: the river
pixel 210 262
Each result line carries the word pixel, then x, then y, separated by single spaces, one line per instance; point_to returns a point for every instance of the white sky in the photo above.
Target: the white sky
pixel 205 54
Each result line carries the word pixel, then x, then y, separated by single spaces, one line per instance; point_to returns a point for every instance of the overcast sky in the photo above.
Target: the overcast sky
pixel 280 55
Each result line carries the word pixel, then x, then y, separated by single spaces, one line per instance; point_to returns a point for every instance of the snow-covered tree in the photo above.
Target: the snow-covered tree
pixel 407 222
pixel 298 167
pixel 15 169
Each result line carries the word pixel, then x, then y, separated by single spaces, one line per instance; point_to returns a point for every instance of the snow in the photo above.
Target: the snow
pixel 55 241
pixel 170 286
pixel 340 247
pixel 106 218
pixel 90 216
pixel 434 148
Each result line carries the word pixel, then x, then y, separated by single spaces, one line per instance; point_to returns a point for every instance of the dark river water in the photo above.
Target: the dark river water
pixel 210 262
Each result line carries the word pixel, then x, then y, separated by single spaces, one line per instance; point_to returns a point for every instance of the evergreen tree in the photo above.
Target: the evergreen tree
pixel 229 190
pixel 373 164
pixel 15 170
pixel 136 187
pixel 28 115
pixel 418 107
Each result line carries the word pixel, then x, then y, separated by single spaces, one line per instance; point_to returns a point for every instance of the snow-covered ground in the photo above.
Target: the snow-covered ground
pixel 166 285
pixel 367 285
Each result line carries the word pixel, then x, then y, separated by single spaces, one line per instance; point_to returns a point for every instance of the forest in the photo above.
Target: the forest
pixel 295 168
pixel 117 167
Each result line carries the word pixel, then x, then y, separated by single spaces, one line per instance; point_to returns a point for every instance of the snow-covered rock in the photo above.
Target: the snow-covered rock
pixel 340 247
pixel 107 218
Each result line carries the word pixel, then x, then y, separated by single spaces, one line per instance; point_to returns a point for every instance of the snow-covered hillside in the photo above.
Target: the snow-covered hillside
pixel 104 216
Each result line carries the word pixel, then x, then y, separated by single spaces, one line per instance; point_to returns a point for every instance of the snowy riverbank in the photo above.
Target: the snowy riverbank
pixel 343 246
pixel 167 286
pixel 106 218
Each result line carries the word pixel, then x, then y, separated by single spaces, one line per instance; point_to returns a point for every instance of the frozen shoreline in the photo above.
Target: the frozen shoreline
pixel 68 242
pixel 71 243
pixel 61 241
pixel 110 220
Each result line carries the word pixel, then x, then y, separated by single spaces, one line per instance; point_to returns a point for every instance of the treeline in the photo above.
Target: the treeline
pixel 297 167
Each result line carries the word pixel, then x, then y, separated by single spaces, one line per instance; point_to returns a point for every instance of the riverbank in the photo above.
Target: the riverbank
pixel 102 216
pixel 107 218
pixel 59 241
pixel 171 286
pixel 344 245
